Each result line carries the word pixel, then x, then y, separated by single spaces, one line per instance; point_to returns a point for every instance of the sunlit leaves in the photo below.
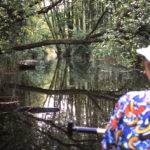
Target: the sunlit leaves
pixel 127 23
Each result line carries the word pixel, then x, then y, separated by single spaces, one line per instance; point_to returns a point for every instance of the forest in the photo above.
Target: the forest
pixel 66 61
pixel 87 28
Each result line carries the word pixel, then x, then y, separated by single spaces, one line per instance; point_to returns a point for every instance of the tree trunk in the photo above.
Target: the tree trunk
pixel 49 42
pixel 96 93
pixel 29 109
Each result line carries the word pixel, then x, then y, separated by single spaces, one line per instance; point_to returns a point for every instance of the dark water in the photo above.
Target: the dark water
pixel 84 91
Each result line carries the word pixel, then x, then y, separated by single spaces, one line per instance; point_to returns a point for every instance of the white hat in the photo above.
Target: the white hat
pixel 145 52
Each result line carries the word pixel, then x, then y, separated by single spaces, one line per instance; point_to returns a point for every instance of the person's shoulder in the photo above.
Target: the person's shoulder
pixel 135 95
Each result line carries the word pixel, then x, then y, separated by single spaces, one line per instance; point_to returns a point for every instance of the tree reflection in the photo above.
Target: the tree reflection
pixel 84 91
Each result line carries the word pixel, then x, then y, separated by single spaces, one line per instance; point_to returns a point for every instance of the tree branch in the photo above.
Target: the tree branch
pixel 49 42
pixel 32 4
pixel 9 102
pixel 95 93
pixel 97 35
pixel 96 25
pixel 46 9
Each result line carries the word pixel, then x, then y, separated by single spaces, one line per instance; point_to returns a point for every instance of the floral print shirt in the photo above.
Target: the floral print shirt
pixel 129 125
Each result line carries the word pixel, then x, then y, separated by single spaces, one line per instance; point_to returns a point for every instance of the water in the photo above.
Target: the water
pixel 85 91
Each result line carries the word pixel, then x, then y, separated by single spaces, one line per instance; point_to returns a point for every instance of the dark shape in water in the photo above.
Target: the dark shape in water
pixel 23 67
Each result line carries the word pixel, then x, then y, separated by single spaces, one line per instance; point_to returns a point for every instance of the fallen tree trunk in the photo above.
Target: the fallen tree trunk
pixel 47 91
pixel 49 42
pixel 30 109
pixel 100 94
pixel 12 107
pixel 9 103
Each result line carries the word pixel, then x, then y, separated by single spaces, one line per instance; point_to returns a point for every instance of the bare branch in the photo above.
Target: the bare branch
pixel 46 9
pixel 98 22
pixel 59 41
pixel 97 34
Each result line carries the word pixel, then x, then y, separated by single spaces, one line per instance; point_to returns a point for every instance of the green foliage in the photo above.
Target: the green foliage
pixel 35 30
pixel 126 23
pixel 12 16
pixel 127 27
pixel 80 49
pixel 78 34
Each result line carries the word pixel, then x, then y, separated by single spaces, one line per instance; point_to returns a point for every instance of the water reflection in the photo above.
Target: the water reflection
pixel 85 92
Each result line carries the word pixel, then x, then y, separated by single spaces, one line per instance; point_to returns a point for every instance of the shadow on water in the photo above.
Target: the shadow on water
pixel 84 91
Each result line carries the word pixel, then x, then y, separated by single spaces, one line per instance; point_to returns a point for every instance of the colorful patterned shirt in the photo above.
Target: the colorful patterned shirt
pixel 129 125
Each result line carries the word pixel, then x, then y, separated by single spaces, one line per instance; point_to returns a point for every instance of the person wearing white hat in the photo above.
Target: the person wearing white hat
pixel 129 125
pixel 146 53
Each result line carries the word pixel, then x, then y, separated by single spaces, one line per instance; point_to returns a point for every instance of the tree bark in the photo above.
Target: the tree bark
pixel 46 9
pixel 49 42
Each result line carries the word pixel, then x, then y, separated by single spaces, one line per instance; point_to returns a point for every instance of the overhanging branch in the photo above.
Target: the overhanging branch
pixel 46 9
pixel 50 42
pixel 96 25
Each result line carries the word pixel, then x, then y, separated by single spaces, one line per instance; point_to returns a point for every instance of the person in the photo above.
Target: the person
pixel 129 125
